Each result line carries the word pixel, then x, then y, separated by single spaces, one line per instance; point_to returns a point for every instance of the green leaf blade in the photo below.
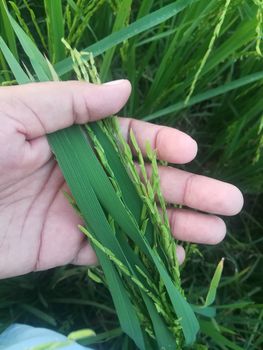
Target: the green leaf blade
pixel 139 26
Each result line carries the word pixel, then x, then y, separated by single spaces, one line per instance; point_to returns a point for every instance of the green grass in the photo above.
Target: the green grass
pixel 224 114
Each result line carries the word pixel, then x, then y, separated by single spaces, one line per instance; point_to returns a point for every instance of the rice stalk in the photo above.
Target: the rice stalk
pixel 129 233
pixel 21 19
pixel 209 50
pixel 149 190
pixel 259 31
pixel 36 25
pixel 258 154
pixel 78 17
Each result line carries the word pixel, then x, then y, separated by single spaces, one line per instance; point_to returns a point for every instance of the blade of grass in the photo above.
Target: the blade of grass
pixel 36 25
pixel 74 171
pixel 83 302
pixel 70 147
pixel 209 49
pixel 123 14
pixel 163 336
pixel 185 29
pixel 130 196
pixel 183 310
pixel 209 329
pixel 7 30
pixel 20 75
pixel 20 19
pixel 37 60
pixel 75 133
pixel 78 183
pixel 39 314
pixel 137 27
pixel 125 310
pixel 67 145
pixel 207 311
pixel 55 29
pixel 210 298
pixel 220 90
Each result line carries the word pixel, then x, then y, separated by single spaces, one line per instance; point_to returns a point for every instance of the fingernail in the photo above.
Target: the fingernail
pixel 114 82
pixel 180 252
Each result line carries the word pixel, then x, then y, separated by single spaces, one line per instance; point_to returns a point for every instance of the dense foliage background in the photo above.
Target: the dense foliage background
pixel 210 50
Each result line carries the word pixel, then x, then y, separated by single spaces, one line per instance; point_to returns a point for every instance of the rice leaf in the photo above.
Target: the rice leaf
pixel 55 26
pixel 36 24
pixel 126 313
pixel 110 201
pixel 20 75
pixel 185 314
pixel 220 90
pixel 137 27
pixel 83 302
pixel 67 145
pixel 209 50
pixel 69 150
pixel 39 314
pixel 129 193
pixel 7 30
pixel 75 172
pixel 123 13
pixel 208 328
pixel 21 20
pixel 36 58
pixel 164 337
pixel 204 311
pixel 95 193
pixel 183 310
pixel 210 298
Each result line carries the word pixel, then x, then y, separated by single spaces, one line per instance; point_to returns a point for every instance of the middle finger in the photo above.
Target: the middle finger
pixel 199 192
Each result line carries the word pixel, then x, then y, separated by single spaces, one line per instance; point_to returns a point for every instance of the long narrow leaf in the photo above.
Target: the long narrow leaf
pixel 55 26
pixel 233 85
pixel 209 329
pixel 210 298
pixel 7 29
pixel 125 310
pixel 20 75
pixel 94 191
pixel 137 27
pixel 68 145
pixel 183 310
pixel 76 168
pixel 120 21
pixel 36 58
pixel 164 338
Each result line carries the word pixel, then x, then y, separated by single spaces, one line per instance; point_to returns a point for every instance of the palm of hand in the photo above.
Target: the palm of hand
pixel 39 228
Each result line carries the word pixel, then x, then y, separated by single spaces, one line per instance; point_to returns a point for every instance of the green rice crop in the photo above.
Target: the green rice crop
pixel 172 57
pixel 152 311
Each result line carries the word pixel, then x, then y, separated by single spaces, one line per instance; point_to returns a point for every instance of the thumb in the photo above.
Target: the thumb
pixel 42 108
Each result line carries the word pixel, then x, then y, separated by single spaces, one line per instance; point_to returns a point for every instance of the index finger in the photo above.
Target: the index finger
pixel 37 109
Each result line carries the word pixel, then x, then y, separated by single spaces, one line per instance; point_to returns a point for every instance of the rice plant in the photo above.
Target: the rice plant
pixel 182 70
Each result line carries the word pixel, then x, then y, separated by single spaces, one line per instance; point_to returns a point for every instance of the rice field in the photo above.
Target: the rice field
pixel 194 65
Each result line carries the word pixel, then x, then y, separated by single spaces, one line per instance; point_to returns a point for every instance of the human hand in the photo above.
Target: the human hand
pixel 38 227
